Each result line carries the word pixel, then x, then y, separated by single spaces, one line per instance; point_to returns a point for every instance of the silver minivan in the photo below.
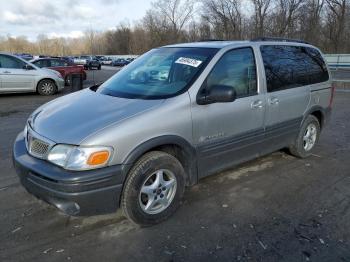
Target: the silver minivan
pixel 173 116
pixel 18 75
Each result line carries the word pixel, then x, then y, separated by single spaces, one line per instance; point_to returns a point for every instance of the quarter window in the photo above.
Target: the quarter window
pixel 236 69
pixel 316 66
pixel 292 66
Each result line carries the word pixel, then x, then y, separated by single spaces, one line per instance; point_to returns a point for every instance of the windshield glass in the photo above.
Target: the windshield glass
pixel 160 73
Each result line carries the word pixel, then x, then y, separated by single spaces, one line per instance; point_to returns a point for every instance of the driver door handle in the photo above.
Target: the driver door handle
pixel 257 104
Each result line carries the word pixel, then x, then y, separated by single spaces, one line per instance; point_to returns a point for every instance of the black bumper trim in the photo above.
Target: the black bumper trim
pixel 75 193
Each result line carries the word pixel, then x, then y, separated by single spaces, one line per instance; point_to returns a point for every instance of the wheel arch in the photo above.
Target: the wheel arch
pixel 42 79
pixel 173 145
pixel 318 112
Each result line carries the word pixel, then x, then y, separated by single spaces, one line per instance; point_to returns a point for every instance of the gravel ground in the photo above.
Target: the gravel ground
pixel 275 208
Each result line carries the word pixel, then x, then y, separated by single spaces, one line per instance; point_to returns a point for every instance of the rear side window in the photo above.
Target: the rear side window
pixel 292 66
pixel 56 62
pixel 43 63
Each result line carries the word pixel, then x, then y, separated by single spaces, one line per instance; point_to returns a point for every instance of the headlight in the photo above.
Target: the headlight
pixel 80 157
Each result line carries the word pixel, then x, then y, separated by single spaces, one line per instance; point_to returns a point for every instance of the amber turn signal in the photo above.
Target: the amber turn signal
pixel 98 158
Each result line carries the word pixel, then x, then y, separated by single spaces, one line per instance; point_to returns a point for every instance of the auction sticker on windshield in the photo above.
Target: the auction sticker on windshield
pixel 188 61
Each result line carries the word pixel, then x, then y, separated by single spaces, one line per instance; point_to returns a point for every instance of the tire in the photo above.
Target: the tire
pixel 307 138
pixel 99 67
pixel 46 87
pixel 67 80
pixel 155 203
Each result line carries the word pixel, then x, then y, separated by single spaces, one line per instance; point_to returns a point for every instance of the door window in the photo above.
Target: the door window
pixel 236 69
pixel 10 62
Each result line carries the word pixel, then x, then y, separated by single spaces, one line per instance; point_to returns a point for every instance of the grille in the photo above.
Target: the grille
pixel 37 147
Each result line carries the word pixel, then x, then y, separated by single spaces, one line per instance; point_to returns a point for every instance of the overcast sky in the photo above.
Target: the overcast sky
pixel 67 18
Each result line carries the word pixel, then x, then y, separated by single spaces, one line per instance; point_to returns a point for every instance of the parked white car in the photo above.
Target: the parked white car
pixel 18 75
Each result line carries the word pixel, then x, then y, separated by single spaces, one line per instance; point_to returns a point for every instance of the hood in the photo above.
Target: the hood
pixel 51 72
pixel 71 118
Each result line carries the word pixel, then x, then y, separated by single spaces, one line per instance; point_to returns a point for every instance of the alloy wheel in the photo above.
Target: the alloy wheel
pixel 158 191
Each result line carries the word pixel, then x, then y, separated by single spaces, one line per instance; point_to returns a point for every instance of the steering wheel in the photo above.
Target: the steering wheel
pixel 141 77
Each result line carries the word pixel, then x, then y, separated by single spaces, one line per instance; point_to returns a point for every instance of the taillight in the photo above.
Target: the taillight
pixel 332 95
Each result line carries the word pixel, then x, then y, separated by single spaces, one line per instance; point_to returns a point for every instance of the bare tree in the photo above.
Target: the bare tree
pixel 225 17
pixel 261 10
pixel 285 17
pixel 324 23
pixel 335 23
pixel 90 40
pixel 175 14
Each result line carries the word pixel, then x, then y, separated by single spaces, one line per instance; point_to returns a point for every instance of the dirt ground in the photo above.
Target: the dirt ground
pixel 275 208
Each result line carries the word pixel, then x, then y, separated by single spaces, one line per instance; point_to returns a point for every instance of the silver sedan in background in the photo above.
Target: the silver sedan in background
pixel 18 75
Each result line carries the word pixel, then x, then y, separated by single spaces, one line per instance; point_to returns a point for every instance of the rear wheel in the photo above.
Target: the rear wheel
pixel 308 136
pixel 46 87
pixel 99 67
pixel 154 188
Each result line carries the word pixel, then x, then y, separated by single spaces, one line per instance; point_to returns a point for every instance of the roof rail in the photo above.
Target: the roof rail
pixel 211 40
pixel 278 39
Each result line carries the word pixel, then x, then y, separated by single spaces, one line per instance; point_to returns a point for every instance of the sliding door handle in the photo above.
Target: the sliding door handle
pixel 274 101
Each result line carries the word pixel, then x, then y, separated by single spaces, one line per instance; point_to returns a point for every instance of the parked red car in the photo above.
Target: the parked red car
pixel 66 68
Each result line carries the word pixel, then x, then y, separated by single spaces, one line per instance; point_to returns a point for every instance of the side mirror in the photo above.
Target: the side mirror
pixel 96 86
pixel 28 67
pixel 216 94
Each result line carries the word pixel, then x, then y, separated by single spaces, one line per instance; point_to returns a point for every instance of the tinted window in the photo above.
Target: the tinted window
pixel 42 63
pixel 236 69
pixel 292 66
pixel 316 66
pixel 10 62
pixel 56 62
pixel 160 73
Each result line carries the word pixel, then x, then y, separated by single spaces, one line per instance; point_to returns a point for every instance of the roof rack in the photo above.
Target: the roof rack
pixel 211 40
pixel 278 39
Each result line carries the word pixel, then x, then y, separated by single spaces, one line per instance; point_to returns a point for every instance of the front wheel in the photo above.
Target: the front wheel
pixel 46 87
pixel 154 188
pixel 308 136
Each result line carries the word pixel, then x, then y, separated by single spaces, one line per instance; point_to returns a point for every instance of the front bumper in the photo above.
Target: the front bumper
pixel 89 192
pixel 60 84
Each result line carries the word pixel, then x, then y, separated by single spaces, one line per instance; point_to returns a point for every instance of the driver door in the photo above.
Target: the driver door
pixel 14 77
pixel 229 133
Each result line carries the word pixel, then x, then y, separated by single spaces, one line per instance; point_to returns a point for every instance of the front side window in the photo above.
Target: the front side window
pixel 236 69
pixel 160 73
pixel 11 62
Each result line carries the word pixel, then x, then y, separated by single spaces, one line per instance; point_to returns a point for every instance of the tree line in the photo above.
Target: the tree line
pixel 324 23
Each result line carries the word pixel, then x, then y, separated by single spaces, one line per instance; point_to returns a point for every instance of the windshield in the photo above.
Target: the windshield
pixel 160 73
